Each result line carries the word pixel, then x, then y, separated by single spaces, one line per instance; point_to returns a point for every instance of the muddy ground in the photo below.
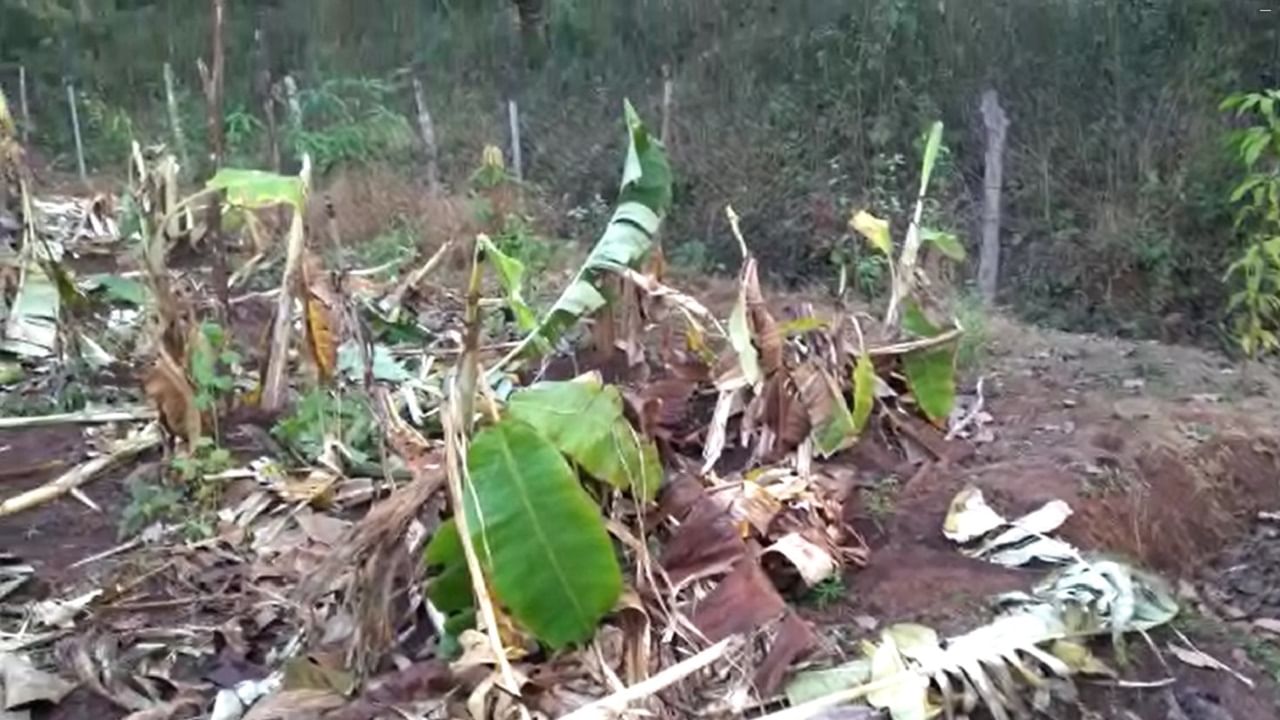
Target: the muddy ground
pixel 1169 456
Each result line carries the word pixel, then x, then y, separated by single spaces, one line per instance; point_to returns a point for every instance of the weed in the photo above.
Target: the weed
pixel 1256 305
pixel 395 245
pixel 692 257
pixel 350 120
pixel 826 593
pixel 972 315
pixel 320 414
pixel 880 500
pixel 148 503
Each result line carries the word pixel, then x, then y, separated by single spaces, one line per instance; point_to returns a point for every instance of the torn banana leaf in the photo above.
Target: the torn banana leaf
pixel 1010 543
pixel 1021 652
pixel 31 329
pixel 643 200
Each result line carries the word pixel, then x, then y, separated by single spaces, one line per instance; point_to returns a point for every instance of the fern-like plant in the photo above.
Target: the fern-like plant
pixel 1255 306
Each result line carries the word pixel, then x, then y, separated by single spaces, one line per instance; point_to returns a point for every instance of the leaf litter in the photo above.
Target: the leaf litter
pixel 496 546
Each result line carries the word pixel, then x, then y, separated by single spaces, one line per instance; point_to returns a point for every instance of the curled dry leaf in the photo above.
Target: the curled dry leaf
pixel 813 563
pixel 168 389
pixel 323 327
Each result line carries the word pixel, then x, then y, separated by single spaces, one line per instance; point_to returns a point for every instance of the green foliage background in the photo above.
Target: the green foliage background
pixel 798 111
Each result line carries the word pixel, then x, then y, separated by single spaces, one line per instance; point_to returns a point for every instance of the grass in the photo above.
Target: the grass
pixel 826 593
pixel 881 500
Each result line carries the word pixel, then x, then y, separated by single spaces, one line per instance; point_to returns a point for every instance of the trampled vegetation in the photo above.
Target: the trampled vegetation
pixel 374 444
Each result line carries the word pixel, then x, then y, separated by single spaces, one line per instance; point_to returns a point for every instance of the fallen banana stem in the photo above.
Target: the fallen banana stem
pixel 615 704
pixel 95 417
pixel 903 348
pixel 83 473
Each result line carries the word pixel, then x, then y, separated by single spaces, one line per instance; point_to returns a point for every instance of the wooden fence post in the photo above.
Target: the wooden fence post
pixel 668 90
pixel 428 131
pixel 517 159
pixel 75 129
pixel 997 124
pixel 22 101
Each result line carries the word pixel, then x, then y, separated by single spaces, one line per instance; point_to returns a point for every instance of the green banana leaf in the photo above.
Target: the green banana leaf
pixel 584 420
pixel 540 536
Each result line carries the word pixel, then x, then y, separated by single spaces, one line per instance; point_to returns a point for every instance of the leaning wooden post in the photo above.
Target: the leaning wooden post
pixel 75 129
pixel 428 132
pixel 22 101
pixel 997 124
pixel 517 158
pixel 668 90
pixel 175 119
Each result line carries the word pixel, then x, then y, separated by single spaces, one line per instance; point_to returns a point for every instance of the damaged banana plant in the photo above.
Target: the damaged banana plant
pixel 929 353
pixel 528 546
pixel 1011 666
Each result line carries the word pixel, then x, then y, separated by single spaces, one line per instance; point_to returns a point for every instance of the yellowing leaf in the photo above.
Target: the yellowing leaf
pixel 740 333
pixel 946 243
pixel 864 391
pixel 168 389
pixel 875 230
pixel 257 188
pixel 322 324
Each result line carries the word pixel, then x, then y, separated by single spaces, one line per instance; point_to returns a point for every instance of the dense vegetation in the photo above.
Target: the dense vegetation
pixel 1118 180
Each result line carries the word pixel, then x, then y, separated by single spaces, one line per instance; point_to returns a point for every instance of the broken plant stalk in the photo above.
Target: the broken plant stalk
pixel 456 418
pixel 615 705
pixel 84 417
pixel 274 380
pixel 74 478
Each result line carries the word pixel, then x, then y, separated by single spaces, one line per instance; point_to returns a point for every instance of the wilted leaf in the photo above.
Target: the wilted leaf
pixel 305 672
pixel 740 335
pixel 832 426
pixel 905 694
pixel 167 388
pixel 947 243
pixel 814 684
pixel 540 535
pixel 585 421
pixel 255 189
pixel 24 684
pixel 31 329
pixel 875 230
pixel 864 391
pixel 322 318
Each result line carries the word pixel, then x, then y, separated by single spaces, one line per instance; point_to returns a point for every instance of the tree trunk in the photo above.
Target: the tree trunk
pixel 997 124
pixel 213 98
pixel 533 30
